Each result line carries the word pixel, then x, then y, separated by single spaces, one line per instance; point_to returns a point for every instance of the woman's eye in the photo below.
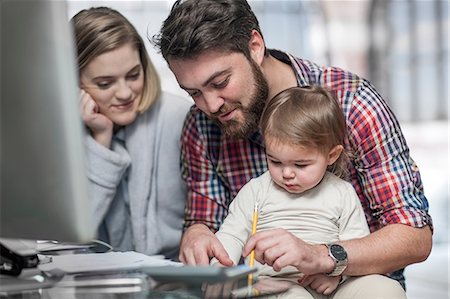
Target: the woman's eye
pixel 134 76
pixel 103 85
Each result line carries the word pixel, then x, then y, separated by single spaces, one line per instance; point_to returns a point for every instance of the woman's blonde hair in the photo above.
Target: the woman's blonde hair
pixel 307 116
pixel 101 29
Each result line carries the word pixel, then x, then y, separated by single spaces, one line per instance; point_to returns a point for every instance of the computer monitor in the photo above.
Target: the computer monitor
pixel 43 179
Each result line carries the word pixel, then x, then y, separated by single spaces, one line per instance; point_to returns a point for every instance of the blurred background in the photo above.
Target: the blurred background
pixel 399 45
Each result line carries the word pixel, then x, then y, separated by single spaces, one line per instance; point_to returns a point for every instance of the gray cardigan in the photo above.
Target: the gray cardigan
pixel 136 186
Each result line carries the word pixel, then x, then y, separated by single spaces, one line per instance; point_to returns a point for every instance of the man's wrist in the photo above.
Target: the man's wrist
pixel 198 226
pixel 328 263
pixel 339 257
pixel 195 225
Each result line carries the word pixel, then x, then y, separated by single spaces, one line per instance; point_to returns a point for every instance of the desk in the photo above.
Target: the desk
pixel 132 284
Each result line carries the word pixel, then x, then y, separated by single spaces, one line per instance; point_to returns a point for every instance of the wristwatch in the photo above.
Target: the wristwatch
pixel 339 256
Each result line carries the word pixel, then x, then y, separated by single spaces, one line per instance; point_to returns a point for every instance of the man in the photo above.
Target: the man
pixel 217 52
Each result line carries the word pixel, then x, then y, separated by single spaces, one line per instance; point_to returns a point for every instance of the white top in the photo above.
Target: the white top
pixel 329 212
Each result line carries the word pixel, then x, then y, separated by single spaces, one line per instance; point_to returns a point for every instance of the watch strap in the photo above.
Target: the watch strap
pixel 340 264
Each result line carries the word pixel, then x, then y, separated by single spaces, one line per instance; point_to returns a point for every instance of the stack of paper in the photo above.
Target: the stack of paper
pixel 103 262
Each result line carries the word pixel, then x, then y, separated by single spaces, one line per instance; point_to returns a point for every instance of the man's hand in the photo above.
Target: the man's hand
pixel 199 244
pixel 279 248
pixel 320 283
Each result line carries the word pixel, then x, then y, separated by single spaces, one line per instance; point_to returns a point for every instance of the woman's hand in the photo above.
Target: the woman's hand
pixel 100 126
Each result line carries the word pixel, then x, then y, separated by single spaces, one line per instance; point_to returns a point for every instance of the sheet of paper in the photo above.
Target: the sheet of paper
pixel 48 245
pixel 104 262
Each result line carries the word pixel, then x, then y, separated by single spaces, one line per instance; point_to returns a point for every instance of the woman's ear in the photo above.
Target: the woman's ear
pixel 334 154
pixel 257 47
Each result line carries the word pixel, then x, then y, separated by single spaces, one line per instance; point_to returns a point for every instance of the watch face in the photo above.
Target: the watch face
pixel 338 252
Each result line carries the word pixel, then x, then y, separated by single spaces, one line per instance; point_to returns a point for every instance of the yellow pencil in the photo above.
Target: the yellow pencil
pixel 252 254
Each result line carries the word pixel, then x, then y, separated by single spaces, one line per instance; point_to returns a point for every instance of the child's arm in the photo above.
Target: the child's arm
pixel 236 228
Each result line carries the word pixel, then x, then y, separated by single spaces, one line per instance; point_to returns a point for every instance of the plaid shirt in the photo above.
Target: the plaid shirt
pixel 385 177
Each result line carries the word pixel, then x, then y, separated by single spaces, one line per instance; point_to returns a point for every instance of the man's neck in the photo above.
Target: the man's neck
pixel 279 75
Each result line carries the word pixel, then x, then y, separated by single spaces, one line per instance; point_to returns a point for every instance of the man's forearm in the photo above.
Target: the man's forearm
pixel 388 249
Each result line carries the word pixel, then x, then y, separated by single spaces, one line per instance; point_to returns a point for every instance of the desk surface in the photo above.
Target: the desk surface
pixel 132 284
pixel 127 283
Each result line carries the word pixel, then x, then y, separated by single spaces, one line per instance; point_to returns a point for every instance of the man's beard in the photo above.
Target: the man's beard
pixel 251 113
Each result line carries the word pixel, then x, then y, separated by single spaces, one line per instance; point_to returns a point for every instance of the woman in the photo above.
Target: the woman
pixel 133 140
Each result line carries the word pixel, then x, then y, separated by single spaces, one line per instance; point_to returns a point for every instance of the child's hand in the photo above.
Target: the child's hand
pixel 100 126
pixel 320 283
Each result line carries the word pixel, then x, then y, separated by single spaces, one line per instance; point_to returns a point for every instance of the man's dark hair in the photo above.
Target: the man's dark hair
pixel 194 26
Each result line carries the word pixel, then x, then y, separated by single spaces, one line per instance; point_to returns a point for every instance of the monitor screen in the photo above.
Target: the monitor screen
pixel 43 179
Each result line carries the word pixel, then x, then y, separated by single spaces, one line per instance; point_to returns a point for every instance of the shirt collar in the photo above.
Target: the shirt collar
pixel 290 60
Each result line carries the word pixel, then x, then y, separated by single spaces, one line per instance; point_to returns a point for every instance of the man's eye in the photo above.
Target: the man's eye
pixel 193 94
pixel 222 84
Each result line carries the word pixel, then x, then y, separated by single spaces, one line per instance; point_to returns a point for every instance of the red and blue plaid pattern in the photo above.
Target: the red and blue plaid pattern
pixel 385 177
